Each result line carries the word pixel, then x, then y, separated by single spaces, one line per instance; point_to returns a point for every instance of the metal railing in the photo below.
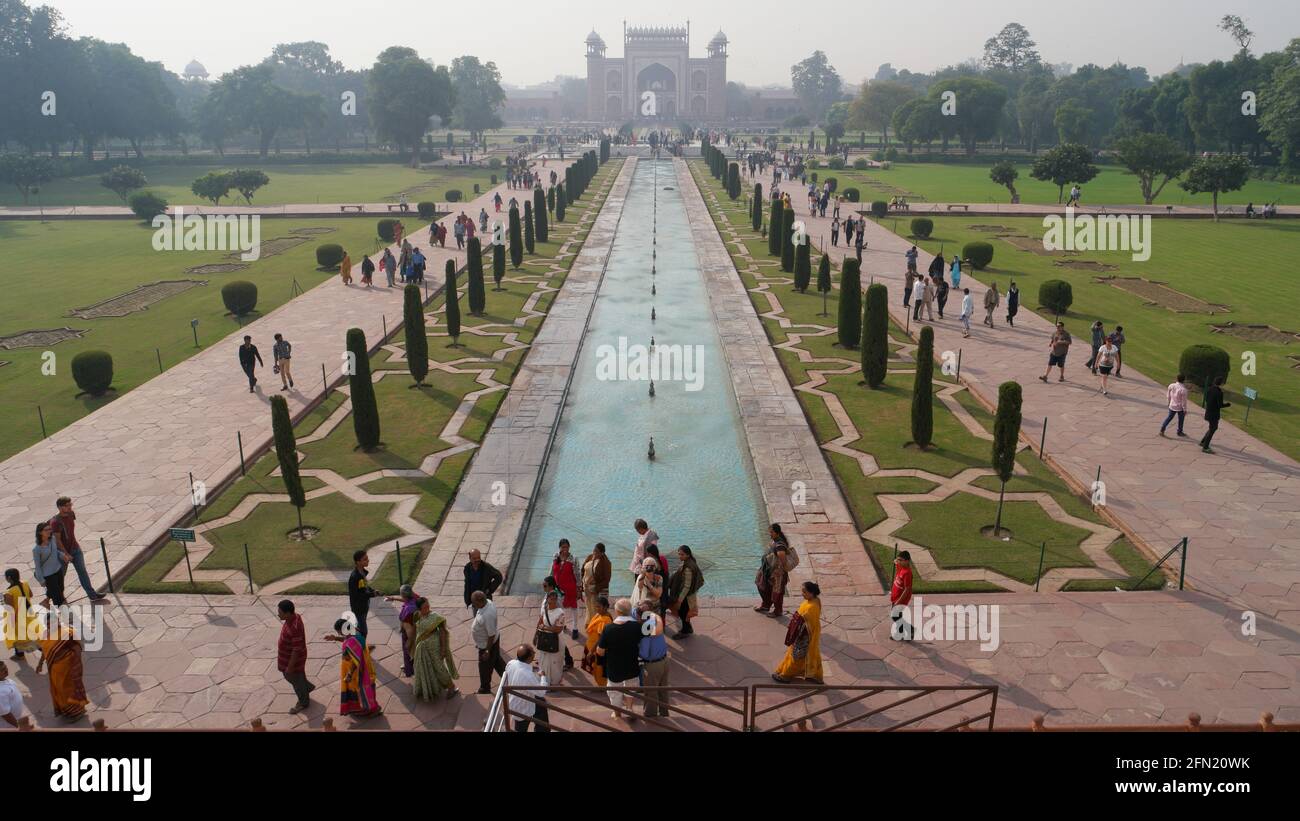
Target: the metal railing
pixel 844 699
pixel 1182 567
pixel 709 708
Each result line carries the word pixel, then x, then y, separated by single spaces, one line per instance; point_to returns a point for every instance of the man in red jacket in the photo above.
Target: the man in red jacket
pixel 900 595
pixel 291 656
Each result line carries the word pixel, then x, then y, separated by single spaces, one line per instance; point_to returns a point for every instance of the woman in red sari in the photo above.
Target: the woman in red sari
pixel 356 675
pixel 565 573
pixel 61 650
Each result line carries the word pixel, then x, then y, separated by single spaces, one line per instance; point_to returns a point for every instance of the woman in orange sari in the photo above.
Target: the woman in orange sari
pixel 21 625
pixel 803 639
pixel 596 625
pixel 345 268
pixel 62 652
pixel 356 675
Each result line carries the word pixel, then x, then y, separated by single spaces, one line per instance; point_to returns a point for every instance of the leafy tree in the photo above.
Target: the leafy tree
pixel 542 230
pixel 980 104
pixel 478 94
pixel 417 340
pixel 25 173
pixel 247 181
pixel 923 391
pixel 850 318
pixel 816 83
pixel 516 239
pixel 286 453
pixel 122 95
pixel 1237 30
pixel 405 91
pixel 1279 107
pixel 365 410
pixel 918 121
pixel 875 336
pixel 1152 156
pixel 1004 173
pixel 1215 175
pixel 122 180
pixel 1073 122
pixel 453 304
pixel 1011 49
pixel 876 105
pixel 212 186
pixel 1006 440
pixel 248 98
pixel 1063 165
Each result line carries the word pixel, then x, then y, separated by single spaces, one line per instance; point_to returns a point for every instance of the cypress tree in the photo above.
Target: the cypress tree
pixel 453 305
pixel 757 216
pixel 474 273
pixel 543 229
pixel 498 265
pixel 1006 436
pixel 529 244
pixel 550 199
pixel 923 389
pixel 787 241
pixel 774 232
pixel 286 452
pixel 824 281
pixel 850 319
pixel 569 182
pixel 803 266
pixel 733 181
pixel 417 343
pixel 559 202
pixel 365 411
pixel 875 336
pixel 516 240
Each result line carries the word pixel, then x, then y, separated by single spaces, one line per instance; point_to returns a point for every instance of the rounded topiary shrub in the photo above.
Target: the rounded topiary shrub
pixel 329 256
pixel 453 195
pixel 146 205
pixel 814 176
pixel 494 179
pixel 922 227
pixel 836 163
pixel 861 164
pixel 1056 295
pixel 494 162
pixel 891 154
pixel 878 156
pixel 852 194
pixel 879 209
pixel 240 296
pixel 980 253
pixel 426 210
pixel 477 189
pixel 1202 364
pixel 387 228
pixel 521 139
pixel 834 183
pixel 93 371
pixel 813 162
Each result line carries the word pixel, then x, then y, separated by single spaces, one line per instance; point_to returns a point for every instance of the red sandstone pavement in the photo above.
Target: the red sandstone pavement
pixel 127 465
pixel 1240 507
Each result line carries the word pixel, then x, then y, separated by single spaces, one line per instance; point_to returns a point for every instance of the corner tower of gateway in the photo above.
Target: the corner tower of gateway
pixel 657 59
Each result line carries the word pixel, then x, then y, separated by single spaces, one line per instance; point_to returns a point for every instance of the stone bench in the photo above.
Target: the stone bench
pixel 954 206
pixel 393 205
pixel 359 208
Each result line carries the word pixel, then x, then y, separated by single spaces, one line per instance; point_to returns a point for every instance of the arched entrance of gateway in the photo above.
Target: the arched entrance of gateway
pixel 660 80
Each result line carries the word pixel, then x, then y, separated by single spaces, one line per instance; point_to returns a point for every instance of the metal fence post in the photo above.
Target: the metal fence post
pixel 323 383
pixel 41 414
pixel 193 501
pixel 248 565
pixel 158 353
pixel 1182 569
pixel 959 365
pixel 185 548
pixel 400 580
pixel 1042 443
pixel 107 571
pixel 240 436
pixel 1039 577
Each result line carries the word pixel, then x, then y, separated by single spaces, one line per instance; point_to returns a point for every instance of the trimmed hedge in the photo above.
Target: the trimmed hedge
pixel 387 229
pixel 146 205
pixel 836 164
pixel 329 256
pixel 979 252
pixel 1056 295
pixel 93 372
pixel 879 209
pixel 453 195
pixel 922 227
pixel 861 164
pixel 1202 364
pixel 240 297
pixel 852 195
pixel 426 210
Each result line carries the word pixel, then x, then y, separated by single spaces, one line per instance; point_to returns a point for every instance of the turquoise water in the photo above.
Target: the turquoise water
pixel 700 489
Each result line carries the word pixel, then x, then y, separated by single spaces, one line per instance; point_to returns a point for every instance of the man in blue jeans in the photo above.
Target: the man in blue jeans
pixel 64 526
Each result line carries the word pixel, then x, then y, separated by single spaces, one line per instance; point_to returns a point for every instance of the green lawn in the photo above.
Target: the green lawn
pixel 290 184
pixel 963 182
pixel 1208 261
pixel 411 421
pixel 53 268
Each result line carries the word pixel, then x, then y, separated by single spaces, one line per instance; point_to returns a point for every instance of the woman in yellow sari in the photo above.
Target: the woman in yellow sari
pixel 803 639
pixel 596 625
pixel 345 268
pixel 62 651
pixel 435 668
pixel 357 696
pixel 21 626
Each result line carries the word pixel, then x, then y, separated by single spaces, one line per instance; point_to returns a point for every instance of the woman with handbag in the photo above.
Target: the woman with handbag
pixel 565 572
pixel 551 625
pixel 772 574
pixel 682 588
pixel 803 639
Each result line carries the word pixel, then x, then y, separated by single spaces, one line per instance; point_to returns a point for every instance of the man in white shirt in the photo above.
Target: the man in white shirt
pixel 918 297
pixel 11 701
pixel 520 673
pixel 967 308
pixel 484 631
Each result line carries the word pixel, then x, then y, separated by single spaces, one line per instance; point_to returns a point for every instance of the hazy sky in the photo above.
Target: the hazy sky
pixel 533 41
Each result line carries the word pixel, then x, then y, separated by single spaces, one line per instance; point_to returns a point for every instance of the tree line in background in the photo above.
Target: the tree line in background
pixel 103 92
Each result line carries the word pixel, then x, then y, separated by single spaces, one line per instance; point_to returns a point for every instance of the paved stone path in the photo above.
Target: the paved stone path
pixel 127 465
pixel 1240 507
pixel 209 661
pixel 984 209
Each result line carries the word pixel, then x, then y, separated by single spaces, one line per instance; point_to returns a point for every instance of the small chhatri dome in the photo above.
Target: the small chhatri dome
pixel 719 39
pixel 195 69
pixel 594 39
